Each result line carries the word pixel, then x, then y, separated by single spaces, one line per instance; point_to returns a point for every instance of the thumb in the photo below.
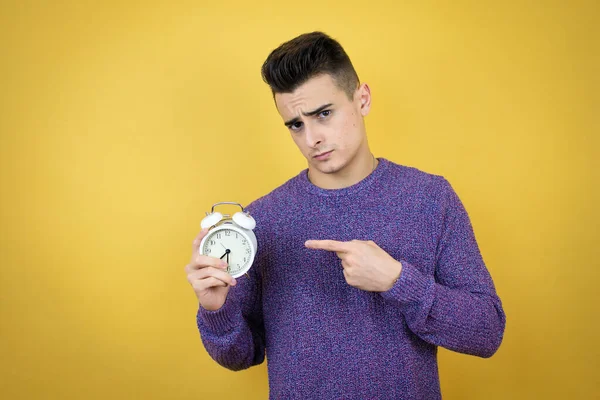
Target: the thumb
pixel 198 240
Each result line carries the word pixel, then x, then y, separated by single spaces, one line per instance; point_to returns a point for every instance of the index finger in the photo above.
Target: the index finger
pixel 329 245
pixel 203 261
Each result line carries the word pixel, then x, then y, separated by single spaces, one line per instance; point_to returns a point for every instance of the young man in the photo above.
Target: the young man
pixel 364 266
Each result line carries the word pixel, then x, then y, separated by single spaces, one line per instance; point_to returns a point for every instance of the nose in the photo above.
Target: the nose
pixel 313 136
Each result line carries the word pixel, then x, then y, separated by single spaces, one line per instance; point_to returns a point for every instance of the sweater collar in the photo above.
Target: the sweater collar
pixel 306 184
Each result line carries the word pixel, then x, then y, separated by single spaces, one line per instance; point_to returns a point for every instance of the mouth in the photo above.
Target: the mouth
pixel 323 156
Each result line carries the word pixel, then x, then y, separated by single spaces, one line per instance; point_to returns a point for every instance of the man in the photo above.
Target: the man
pixel 364 266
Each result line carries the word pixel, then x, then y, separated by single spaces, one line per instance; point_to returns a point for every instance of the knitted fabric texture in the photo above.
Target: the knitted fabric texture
pixel 325 339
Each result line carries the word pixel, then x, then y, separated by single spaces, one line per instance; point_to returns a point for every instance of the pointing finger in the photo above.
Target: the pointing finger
pixel 329 245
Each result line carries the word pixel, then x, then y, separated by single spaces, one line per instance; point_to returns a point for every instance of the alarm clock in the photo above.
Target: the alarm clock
pixel 230 238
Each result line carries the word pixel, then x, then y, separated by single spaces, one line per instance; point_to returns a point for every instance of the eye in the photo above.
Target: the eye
pixel 296 126
pixel 324 114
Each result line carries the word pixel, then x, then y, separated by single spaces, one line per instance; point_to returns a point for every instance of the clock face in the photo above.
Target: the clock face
pixel 231 247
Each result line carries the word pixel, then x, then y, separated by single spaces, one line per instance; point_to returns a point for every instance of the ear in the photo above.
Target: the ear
pixel 363 96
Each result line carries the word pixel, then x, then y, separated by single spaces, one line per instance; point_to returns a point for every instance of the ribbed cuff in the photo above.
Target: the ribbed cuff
pixel 221 320
pixel 410 287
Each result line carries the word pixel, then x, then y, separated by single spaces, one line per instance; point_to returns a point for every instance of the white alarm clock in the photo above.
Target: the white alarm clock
pixel 230 239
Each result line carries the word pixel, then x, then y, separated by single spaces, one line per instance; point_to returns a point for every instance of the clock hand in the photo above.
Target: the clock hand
pixel 227 251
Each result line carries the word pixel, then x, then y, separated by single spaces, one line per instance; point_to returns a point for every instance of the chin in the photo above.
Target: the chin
pixel 330 167
pixel 328 170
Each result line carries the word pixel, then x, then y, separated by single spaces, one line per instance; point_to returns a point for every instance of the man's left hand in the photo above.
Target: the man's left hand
pixel 366 265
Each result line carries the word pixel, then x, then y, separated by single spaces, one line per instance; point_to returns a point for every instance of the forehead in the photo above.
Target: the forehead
pixel 312 94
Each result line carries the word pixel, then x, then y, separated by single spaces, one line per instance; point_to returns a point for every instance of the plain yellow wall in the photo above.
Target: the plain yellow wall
pixel 121 123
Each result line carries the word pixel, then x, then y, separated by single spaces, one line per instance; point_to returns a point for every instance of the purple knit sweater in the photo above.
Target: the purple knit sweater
pixel 325 339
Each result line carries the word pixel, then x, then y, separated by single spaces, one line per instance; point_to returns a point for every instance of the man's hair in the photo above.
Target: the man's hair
pixel 307 56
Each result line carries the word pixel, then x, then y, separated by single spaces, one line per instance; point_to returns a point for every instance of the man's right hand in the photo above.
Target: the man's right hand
pixel 208 276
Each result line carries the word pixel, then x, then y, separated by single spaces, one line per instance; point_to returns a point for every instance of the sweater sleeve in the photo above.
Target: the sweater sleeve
pixel 234 334
pixel 457 307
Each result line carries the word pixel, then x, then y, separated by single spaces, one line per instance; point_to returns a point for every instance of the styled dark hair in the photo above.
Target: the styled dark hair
pixel 306 56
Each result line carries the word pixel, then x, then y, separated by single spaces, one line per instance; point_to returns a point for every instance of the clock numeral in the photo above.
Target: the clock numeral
pixel 227 233
pixel 247 251
pixel 218 236
pixel 212 242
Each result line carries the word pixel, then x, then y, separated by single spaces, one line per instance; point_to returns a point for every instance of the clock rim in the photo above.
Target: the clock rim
pixel 229 225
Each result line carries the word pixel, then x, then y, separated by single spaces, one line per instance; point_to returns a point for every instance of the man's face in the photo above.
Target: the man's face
pixel 327 127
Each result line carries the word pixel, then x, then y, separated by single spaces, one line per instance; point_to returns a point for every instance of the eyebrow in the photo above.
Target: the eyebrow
pixel 307 114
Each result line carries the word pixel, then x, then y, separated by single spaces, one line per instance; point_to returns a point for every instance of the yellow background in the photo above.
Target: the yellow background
pixel 122 122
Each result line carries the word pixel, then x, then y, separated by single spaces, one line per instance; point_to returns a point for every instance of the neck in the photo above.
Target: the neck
pixel 352 173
